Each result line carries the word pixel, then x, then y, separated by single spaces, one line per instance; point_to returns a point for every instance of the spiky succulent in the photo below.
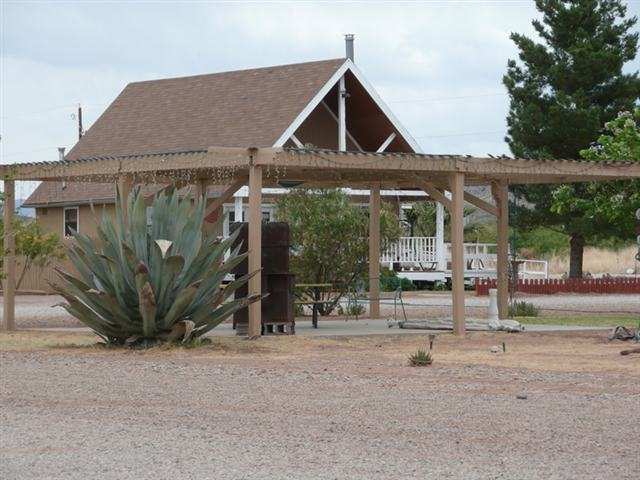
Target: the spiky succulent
pixel 158 281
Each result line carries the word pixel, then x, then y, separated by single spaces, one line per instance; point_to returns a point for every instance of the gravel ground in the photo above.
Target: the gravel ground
pixel 322 408
pixel 39 310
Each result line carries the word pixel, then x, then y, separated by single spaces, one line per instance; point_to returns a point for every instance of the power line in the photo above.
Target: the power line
pixel 459 97
pixel 466 134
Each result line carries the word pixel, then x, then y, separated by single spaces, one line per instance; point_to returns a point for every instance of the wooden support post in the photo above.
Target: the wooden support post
pixel 501 196
pixel 374 252
pixel 457 252
pixel 125 185
pixel 9 261
pixel 255 248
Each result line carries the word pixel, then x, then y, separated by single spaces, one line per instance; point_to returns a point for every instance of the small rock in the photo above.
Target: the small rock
pixel 521 396
pixel 495 349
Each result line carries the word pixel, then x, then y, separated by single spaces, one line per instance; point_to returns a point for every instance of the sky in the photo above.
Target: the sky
pixel 437 64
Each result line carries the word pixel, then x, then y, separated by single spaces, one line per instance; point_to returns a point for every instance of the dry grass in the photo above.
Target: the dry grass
pixel 599 261
pixel 552 352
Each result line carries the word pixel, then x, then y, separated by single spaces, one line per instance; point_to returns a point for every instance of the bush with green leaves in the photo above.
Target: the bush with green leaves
pixel 143 284
pixel 390 282
pixel 523 309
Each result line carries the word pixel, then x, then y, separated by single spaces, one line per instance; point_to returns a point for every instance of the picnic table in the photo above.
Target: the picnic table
pixel 309 294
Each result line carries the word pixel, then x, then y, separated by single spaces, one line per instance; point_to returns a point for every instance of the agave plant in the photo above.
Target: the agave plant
pixel 140 283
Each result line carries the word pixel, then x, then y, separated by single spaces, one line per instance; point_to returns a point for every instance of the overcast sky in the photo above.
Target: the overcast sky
pixel 437 64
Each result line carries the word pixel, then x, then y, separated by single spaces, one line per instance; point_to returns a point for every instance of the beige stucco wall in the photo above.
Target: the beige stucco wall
pixel 51 218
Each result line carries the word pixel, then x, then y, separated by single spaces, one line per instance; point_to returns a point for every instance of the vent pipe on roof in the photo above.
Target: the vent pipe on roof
pixel 348 43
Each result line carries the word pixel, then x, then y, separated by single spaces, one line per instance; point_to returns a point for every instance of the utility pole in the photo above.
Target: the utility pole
pixel 80 130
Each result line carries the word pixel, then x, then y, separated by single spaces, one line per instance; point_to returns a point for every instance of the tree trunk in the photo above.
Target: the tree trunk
pixel 575 255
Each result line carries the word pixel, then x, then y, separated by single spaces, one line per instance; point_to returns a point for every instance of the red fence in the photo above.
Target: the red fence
pixel 565 285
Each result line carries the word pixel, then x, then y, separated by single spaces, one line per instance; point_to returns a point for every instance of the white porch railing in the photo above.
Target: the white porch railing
pixel 413 250
pixel 420 253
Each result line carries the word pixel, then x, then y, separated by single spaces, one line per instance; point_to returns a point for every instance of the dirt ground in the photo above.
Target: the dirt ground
pixel 327 408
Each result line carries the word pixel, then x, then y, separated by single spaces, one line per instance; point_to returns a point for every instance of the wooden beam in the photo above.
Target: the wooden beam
pixel 298 143
pixel 374 251
pixel 255 249
pixel 481 204
pixel 434 193
pixel 500 192
pixel 9 260
pixel 349 136
pixel 386 143
pixel 457 252
pixel 217 204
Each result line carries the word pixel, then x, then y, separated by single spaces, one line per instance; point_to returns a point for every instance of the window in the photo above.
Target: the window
pixel 71 224
pixel 266 215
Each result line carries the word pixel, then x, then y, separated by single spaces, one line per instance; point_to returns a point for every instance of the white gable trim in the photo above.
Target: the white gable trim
pixel 315 101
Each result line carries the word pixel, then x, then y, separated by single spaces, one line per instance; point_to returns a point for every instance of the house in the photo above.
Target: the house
pixel 328 104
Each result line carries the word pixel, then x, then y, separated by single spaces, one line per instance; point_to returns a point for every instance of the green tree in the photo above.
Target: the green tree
pixel 563 89
pixel 610 206
pixel 329 238
pixel 34 247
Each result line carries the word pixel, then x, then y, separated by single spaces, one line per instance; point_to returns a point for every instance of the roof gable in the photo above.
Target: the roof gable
pixel 230 109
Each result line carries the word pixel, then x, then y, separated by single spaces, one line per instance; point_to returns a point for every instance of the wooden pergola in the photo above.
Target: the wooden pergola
pixel 265 167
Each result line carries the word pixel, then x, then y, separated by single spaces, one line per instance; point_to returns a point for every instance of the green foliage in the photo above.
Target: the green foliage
pixel 612 202
pixel 34 247
pixel 565 87
pixel 353 309
pixel 523 309
pixel 421 220
pixel 140 284
pixel 329 240
pixel 421 358
pixel 541 242
pixel 389 281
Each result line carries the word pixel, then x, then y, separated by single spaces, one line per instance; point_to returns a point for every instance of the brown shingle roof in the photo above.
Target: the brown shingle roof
pixel 245 108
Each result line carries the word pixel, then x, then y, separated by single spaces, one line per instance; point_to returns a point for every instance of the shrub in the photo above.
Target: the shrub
pixel 353 309
pixel 523 309
pixel 389 281
pixel 141 285
pixel 421 358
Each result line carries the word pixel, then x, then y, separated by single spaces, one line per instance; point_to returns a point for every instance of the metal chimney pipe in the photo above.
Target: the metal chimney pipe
pixel 348 43
pixel 61 153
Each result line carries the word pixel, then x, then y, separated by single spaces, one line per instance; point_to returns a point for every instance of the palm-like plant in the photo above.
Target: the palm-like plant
pixel 140 283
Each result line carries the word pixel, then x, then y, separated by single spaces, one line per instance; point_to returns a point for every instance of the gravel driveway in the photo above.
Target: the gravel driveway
pixel 327 409
pixel 39 310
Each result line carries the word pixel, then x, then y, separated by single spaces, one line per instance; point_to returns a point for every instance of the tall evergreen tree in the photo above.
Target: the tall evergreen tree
pixel 566 86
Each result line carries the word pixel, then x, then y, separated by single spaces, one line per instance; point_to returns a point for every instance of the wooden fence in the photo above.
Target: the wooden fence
pixel 36 279
pixel 566 285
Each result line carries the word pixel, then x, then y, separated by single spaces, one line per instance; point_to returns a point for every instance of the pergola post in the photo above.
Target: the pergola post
pixel 9 262
pixel 374 251
pixel 457 252
pixel 501 197
pixel 255 248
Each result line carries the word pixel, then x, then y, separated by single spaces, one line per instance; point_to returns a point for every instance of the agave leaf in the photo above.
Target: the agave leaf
pixel 181 303
pixel 223 312
pixel 164 245
pixel 146 300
